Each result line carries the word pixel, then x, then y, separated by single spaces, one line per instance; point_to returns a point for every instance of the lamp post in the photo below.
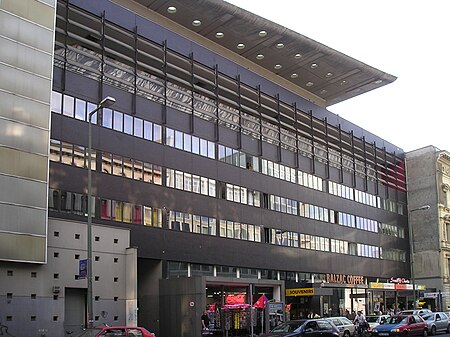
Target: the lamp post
pixel 104 103
pixel 411 248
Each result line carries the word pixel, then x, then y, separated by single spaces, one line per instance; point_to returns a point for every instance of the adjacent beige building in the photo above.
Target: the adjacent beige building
pixel 428 176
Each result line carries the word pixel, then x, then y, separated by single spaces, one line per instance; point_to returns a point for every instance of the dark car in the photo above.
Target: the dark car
pixel 284 328
pixel 404 325
pixel 309 328
pixel 116 331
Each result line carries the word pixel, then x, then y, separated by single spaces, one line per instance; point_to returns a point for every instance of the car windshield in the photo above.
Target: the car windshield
pixel 371 319
pixel 287 327
pixel 428 317
pixel 398 320
pixel 90 332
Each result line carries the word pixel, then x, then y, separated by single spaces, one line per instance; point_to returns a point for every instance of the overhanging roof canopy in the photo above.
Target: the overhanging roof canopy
pixel 312 66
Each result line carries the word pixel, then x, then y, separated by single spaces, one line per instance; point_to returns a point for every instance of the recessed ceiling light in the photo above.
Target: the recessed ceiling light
pixel 323 92
pixel 259 56
pixel 220 35
pixel 196 23
pixel 240 46
pixel 262 33
pixel 378 81
pixel 278 66
pixel 309 84
pixel 328 75
pixel 298 56
pixel 172 9
pixel 314 66
pixel 343 82
pixel 294 75
pixel 280 45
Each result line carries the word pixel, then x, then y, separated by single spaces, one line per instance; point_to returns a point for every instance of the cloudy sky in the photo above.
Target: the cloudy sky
pixel 409 39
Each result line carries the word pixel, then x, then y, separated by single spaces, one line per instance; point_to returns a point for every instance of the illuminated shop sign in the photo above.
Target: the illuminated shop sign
pixel 300 292
pixel 345 279
pixel 399 280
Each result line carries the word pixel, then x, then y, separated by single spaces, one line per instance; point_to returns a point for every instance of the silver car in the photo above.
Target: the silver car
pixel 437 322
pixel 345 326
pixel 375 320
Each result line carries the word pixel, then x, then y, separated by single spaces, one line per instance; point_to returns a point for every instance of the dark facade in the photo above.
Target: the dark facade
pixel 226 179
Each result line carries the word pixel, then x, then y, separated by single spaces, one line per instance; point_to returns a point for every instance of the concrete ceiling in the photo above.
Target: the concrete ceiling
pixel 310 65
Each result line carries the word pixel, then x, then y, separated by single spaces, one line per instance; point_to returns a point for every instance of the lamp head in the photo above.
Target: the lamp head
pixel 107 102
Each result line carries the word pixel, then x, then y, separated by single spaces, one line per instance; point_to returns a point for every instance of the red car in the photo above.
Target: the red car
pixel 117 331
pixel 403 325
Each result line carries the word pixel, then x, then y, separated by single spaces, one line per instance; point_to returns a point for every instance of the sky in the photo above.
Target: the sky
pixel 409 39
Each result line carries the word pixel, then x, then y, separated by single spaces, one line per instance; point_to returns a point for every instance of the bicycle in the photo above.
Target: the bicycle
pixel 361 330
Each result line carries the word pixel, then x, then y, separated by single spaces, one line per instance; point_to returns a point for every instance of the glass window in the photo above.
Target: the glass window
pixel 187 182
pixel 212 187
pixel 148 172
pixel 147 216
pixel 56 102
pixel 179 140
pixel 187 146
pixel 105 209
pixel 91 107
pixel 69 106
pixel 138 127
pixel 128 167
pixel 157 175
pixel 107 118
pixel 148 130
pixel 117 165
pixel 195 145
pixel 66 153
pixel 55 150
pixel 106 162
pixel 157 133
pixel 204 185
pixel 221 153
pixel 179 180
pixel 127 211
pixel 211 150
pixel 78 156
pixel 128 124
pixel 170 178
pixel 118 121
pixel 170 137
pixel 138 170
pixel 116 210
pixel 223 228
pixel 80 109
pixel 196 184
pixel 203 147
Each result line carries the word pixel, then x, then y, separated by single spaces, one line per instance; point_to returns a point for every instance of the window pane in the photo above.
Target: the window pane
pixel 195 145
pixel 138 127
pixel 157 133
pixel 211 150
pixel 157 174
pixel 138 170
pixel 148 130
pixel 187 142
pixel 118 121
pixel 128 124
pixel 107 118
pixel 80 109
pixel 170 137
pixel 68 107
pixel 203 147
pixel 56 102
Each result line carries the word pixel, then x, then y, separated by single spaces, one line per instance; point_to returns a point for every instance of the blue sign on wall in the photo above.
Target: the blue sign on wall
pixel 82 273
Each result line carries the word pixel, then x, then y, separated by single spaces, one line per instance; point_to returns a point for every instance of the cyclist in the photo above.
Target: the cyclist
pixel 361 323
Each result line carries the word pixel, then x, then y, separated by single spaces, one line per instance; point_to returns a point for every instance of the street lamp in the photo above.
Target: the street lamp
pixel 104 103
pixel 411 249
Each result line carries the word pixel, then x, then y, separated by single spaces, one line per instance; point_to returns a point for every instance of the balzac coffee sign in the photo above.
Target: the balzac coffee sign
pixel 345 279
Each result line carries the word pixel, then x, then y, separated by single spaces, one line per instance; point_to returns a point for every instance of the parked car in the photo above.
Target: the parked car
pixel 345 326
pixel 284 328
pixel 116 331
pixel 403 325
pixel 308 328
pixel 419 312
pixel 437 322
pixel 375 320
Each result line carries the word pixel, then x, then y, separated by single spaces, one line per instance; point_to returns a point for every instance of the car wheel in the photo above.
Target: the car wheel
pixel 346 333
pixel 448 328
pixel 425 333
pixel 433 330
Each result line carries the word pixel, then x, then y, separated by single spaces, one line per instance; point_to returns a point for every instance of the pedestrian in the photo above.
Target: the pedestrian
pixel 205 322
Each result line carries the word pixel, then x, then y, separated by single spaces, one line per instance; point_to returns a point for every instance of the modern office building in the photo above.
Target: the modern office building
pixel 428 175
pixel 219 177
